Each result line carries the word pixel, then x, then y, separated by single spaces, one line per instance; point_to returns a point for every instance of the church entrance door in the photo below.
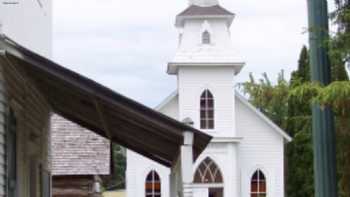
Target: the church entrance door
pixel 216 192
pixel 204 191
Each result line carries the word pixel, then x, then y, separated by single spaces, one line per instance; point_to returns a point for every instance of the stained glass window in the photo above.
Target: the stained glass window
pixel 258 184
pixel 153 185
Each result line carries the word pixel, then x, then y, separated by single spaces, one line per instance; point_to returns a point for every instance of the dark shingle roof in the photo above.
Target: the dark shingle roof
pixel 194 10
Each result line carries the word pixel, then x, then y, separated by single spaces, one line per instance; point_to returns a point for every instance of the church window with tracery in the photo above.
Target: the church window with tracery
pixel 208 172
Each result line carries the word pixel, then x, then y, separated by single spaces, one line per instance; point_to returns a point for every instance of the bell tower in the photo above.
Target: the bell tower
pixel 206 64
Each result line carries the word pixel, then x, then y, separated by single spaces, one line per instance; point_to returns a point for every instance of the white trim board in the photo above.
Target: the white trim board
pixel 166 100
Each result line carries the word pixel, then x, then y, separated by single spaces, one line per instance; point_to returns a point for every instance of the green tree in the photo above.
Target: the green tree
pixel 337 96
pixel 288 104
pixel 118 164
pixel 292 115
pixel 340 42
pixel 299 153
pixel 269 98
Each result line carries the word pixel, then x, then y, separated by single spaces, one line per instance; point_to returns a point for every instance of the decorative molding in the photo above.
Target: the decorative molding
pixel 227 140
pixel 211 185
pixel 173 67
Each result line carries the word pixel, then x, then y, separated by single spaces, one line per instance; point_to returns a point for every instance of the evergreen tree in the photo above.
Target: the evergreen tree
pixel 303 73
pixel 300 180
pixel 340 42
pixel 337 93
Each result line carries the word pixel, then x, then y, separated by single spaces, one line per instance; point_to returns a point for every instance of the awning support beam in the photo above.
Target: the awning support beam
pixel 102 118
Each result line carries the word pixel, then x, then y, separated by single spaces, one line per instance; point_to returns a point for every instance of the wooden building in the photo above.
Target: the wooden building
pixel 79 158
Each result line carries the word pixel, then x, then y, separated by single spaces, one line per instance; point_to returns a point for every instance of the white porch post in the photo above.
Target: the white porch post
pixel 172 184
pixel 187 164
pixel 181 176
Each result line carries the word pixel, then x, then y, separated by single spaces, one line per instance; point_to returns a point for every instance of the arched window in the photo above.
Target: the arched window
pixel 153 185
pixel 208 172
pixel 205 37
pixel 207 110
pixel 258 184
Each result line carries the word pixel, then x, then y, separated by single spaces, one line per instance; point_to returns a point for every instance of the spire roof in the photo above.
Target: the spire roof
pixel 203 12
pixel 216 10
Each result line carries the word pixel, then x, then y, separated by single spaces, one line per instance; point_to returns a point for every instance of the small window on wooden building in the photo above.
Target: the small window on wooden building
pixel 258 184
pixel 207 110
pixel 206 37
pixel 153 185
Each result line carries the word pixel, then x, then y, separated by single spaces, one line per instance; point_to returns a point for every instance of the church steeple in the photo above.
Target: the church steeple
pixel 204 37
pixel 204 3
pixel 206 64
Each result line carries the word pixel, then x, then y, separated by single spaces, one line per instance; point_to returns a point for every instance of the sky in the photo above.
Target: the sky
pixel 126 44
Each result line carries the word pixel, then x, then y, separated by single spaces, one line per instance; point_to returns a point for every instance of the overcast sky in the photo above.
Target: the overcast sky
pixel 126 44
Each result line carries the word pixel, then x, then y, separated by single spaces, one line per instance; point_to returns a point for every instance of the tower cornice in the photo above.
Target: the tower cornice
pixel 173 67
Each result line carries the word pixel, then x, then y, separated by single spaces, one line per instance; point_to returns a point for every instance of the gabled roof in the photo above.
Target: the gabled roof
pixel 263 117
pixel 77 150
pixel 195 10
pixel 101 110
pixel 247 104
pixel 166 100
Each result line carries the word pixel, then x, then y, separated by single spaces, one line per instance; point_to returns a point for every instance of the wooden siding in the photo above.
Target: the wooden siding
pixel 73 186
pixel 32 113
pixel 2 132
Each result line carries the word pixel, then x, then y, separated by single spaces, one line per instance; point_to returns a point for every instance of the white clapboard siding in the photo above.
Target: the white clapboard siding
pixel 261 148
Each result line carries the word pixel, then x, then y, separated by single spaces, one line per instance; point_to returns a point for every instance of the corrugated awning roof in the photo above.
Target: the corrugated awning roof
pixel 99 109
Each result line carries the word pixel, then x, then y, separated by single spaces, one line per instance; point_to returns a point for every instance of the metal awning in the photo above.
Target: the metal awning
pixel 91 105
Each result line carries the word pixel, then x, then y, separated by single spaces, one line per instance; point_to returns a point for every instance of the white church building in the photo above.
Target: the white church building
pixel 246 156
